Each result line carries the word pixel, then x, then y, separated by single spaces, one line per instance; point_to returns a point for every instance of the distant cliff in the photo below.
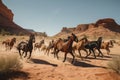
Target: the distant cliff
pixel 6 21
pixel 4 11
pixel 103 27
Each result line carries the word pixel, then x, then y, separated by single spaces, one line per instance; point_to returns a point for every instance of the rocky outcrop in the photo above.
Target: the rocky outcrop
pixel 5 12
pixel 6 21
pixel 82 27
pixel 108 23
pixel 67 30
pixel 104 27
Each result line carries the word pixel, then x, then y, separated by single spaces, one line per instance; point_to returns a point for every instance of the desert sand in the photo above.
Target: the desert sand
pixel 43 67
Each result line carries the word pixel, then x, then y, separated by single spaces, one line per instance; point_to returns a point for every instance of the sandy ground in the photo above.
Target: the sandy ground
pixel 43 67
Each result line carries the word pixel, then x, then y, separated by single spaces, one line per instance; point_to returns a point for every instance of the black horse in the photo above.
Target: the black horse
pixel 26 46
pixel 94 45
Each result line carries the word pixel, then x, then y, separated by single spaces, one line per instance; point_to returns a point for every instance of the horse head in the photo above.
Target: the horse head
pixel 42 41
pixel 99 41
pixel 14 40
pixel 84 39
pixel 74 37
pixel 32 37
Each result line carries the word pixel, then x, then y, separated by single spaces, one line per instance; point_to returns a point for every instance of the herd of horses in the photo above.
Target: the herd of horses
pixel 68 45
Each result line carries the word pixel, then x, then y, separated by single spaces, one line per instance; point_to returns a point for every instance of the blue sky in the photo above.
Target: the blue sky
pixel 51 15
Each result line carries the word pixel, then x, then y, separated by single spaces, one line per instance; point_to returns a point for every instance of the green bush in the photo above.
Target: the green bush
pixel 9 63
pixel 114 64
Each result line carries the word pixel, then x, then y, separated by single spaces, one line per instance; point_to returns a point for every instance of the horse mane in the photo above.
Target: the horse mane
pixel 99 41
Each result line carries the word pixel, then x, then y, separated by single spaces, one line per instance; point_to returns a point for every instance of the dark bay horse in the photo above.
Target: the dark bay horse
pixel 26 46
pixel 65 46
pixel 9 43
pixel 94 45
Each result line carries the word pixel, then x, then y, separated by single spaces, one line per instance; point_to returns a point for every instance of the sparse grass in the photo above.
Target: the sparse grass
pixel 9 63
pixel 114 64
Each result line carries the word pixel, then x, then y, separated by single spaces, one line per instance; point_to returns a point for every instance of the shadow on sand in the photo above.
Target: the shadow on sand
pixel 38 61
pixel 80 63
pixel 12 75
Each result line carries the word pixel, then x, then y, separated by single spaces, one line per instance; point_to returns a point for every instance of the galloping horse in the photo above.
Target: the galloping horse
pixel 9 43
pixel 107 45
pixel 49 47
pixel 80 45
pixel 26 47
pixel 38 45
pixel 94 45
pixel 65 46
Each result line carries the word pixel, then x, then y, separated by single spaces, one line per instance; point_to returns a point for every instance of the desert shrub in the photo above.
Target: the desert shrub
pixel 4 32
pixel 9 63
pixel 114 64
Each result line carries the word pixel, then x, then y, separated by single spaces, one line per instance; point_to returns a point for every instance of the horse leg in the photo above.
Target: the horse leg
pixel 80 54
pixel 10 47
pixel 108 51
pixel 29 55
pixel 93 53
pixel 65 57
pixel 100 53
pixel 34 48
pixel 73 57
pixel 89 53
pixel 57 54
pixel 86 51
pixel 25 54
pixel 48 52
pixel 6 47
pixel 20 54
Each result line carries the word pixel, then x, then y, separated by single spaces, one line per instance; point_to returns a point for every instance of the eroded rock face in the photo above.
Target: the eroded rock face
pixel 82 27
pixel 5 12
pixel 6 21
pixel 107 21
pixel 102 27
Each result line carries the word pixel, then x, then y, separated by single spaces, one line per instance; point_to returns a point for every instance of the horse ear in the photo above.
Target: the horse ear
pixel 72 34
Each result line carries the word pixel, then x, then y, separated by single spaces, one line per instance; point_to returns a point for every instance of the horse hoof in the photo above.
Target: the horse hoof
pixel 72 62
pixel 63 61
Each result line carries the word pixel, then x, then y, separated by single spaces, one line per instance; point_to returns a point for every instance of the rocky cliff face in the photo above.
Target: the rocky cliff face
pixel 103 27
pixel 6 21
pixel 4 11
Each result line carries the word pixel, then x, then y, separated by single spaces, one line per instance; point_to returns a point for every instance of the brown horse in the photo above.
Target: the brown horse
pixel 65 46
pixel 107 46
pixel 38 45
pixel 80 45
pixel 49 47
pixel 9 43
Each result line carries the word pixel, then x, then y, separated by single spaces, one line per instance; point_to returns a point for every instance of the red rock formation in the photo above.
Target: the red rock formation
pixel 6 21
pixel 108 21
pixel 4 11
pixel 82 27
pixel 104 27
pixel 67 30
